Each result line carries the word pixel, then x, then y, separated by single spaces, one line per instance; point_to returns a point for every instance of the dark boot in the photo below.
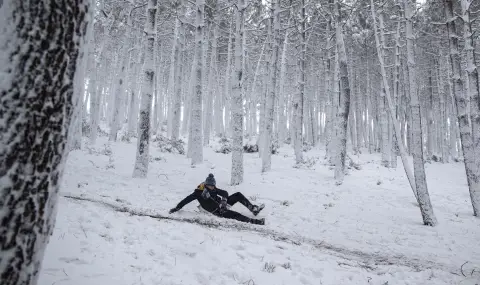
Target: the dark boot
pixel 258 221
pixel 256 209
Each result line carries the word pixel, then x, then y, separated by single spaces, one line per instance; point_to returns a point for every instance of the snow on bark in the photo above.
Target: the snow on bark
pixel 344 102
pixel 143 143
pixel 178 73
pixel 237 100
pixel 282 120
pixel 474 95
pixel 298 103
pixel 443 114
pixel 218 109
pixel 119 92
pixel 384 128
pixel 380 54
pixel 430 123
pixel 40 46
pixel 253 91
pixel 423 197
pixel 396 98
pixel 92 89
pixel 196 119
pixel 211 89
pixel 269 107
pixel 227 85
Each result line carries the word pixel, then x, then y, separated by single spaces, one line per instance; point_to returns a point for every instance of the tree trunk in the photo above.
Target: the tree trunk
pixel 298 105
pixel 196 122
pixel 178 73
pixel 380 53
pixel 328 93
pixel 92 89
pixel 471 150
pixel 426 208
pixel 36 110
pixel 344 107
pixel 143 142
pixel 227 85
pixel 269 108
pixel 237 100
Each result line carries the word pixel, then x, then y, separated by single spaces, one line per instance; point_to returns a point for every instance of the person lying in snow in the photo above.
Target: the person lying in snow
pixel 217 202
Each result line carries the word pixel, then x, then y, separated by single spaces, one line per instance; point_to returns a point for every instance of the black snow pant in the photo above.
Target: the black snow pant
pixel 239 198
pixel 228 214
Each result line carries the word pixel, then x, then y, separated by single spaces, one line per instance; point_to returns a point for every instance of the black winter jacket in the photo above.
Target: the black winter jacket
pixel 208 199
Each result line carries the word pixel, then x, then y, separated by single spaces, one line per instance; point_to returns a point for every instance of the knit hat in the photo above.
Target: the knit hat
pixel 210 180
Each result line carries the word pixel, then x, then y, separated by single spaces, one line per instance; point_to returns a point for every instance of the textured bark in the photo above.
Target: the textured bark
pixel 196 122
pixel 383 112
pixel 298 105
pixel 474 95
pixel 384 129
pixel 423 197
pixel 397 98
pixel 209 119
pixel 269 108
pixel 40 46
pixel 344 102
pixel 227 85
pixel 282 111
pixel 119 92
pixel 328 93
pixel 92 89
pixel 178 74
pixel 143 143
pixel 380 53
pixel 237 100
pixel 218 107
pixel 430 124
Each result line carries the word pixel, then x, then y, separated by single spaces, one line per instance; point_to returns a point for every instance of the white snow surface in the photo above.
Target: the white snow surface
pixel 365 231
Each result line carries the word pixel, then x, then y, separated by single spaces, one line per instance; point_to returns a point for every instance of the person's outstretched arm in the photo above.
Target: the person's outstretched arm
pixel 195 195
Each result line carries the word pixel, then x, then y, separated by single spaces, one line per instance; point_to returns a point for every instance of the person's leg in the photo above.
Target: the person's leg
pixel 239 217
pixel 239 197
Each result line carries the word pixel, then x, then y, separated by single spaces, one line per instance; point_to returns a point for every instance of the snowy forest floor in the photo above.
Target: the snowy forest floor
pixel 113 229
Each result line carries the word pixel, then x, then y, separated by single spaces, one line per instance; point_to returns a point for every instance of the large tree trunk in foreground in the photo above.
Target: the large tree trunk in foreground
pixel 36 106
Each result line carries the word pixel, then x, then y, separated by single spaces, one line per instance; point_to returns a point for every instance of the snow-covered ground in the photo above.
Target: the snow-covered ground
pixel 110 227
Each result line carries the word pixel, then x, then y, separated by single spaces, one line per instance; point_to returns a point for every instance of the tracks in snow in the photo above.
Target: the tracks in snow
pixel 368 261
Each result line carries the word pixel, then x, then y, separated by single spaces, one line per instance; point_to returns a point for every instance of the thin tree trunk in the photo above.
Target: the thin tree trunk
pixel 299 104
pixel 269 108
pixel 227 87
pixel 328 93
pixel 380 53
pixel 344 107
pixel 178 73
pixel 237 100
pixel 196 122
pixel 426 208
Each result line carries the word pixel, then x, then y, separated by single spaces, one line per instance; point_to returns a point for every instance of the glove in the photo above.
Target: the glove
pixel 223 205
pixel 173 210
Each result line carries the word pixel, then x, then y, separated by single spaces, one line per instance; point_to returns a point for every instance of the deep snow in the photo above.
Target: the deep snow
pixel 365 231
